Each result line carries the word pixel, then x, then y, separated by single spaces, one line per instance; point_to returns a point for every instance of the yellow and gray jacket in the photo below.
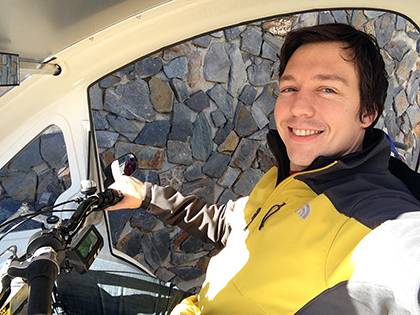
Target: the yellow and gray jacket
pixel 310 243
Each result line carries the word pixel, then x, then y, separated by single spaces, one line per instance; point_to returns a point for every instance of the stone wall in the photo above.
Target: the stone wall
pixel 196 115
pixel 35 177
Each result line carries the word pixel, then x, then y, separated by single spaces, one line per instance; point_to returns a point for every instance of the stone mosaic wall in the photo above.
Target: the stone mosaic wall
pixel 35 177
pixel 196 116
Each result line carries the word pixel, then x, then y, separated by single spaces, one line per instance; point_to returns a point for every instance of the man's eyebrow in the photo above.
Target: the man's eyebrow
pixel 331 77
pixel 287 77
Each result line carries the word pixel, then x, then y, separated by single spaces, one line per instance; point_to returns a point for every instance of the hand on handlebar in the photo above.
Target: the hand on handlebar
pixel 134 192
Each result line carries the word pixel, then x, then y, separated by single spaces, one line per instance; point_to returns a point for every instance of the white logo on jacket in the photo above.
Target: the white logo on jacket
pixel 304 211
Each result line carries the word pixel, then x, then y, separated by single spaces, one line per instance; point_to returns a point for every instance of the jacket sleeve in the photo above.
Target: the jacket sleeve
pixel 190 213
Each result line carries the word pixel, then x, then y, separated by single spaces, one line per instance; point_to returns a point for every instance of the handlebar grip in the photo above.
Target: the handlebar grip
pixel 109 197
pixel 41 277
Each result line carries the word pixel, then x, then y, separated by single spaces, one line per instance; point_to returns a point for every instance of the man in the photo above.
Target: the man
pixel 297 243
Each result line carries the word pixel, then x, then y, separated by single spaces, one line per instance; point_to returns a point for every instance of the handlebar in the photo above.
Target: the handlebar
pixel 50 248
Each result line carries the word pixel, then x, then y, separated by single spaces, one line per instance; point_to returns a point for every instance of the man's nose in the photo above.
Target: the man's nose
pixel 302 104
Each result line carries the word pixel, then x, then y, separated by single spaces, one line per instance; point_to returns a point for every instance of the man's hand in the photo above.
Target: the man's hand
pixel 134 192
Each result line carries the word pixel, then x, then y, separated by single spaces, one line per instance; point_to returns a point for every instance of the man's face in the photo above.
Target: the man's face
pixel 317 111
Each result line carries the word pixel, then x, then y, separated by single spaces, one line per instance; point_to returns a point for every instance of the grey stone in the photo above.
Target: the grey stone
pixel 400 103
pixel 53 149
pixel 182 126
pixel 176 68
pixel 372 14
pixel 179 152
pixel 147 157
pixel 203 188
pixel 325 17
pixel 248 95
pixel 401 23
pixel 181 130
pixel 193 172
pixel 413 113
pixel 218 34
pixel 397 47
pixel 226 196
pixel 155 247
pixel 130 101
pixel 245 154
pixel 49 188
pixel 251 40
pixel 260 135
pixel 216 165
pixel 124 126
pixel 308 19
pixel 183 259
pixel 27 158
pixel 99 120
pixel 216 63
pixel 340 16
pixel 127 70
pixel 96 97
pixel 229 177
pixel 147 67
pixel 198 101
pixel 407 65
pixel 238 75
pixel 143 221
pixel 154 133
pixel 265 158
pixel 260 75
pixel 247 181
pixel 187 273
pixel 131 243
pixel 180 88
pixel 274 41
pixel 390 122
pixel 358 19
pixel 218 118
pixel 179 50
pixel 109 81
pixel 161 95
pixel 201 139
pixel 413 88
pixel 193 245
pixel 146 176
pixel 20 185
pixel 233 32
pixel 164 274
pixel 202 41
pixel 223 100
pixel 244 122
pixel 259 117
pixel 222 133
pixel 383 28
pixel 266 101
pixel 269 52
pixel 172 177
pixel 404 123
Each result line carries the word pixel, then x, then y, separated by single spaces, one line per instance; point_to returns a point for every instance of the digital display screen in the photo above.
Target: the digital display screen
pixel 87 244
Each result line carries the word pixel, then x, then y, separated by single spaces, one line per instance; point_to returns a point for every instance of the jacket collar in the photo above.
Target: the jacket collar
pixel 374 156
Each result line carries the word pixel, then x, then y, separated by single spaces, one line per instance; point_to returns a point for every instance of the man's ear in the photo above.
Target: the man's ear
pixel 368 119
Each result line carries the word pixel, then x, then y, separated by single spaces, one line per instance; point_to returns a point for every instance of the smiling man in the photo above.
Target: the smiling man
pixel 298 244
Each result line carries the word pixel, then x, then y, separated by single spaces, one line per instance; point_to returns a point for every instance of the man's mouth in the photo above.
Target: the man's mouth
pixel 304 132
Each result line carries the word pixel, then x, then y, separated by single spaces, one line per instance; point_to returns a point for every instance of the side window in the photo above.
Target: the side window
pixel 196 115
pixel 35 177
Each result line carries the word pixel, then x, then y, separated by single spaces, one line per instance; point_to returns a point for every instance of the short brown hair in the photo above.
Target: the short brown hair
pixel 366 56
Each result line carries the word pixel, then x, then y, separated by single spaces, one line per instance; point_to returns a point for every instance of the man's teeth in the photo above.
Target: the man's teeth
pixel 305 132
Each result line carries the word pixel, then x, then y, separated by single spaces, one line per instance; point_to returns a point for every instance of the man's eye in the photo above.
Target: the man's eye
pixel 328 90
pixel 288 90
